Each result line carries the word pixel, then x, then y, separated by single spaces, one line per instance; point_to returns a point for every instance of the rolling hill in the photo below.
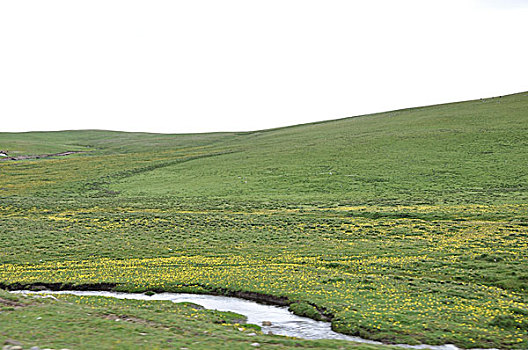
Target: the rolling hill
pixel 405 226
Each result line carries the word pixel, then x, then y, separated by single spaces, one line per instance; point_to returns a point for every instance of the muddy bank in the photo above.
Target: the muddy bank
pixel 254 296
pixel 40 286
pixel 114 287
pixel 315 312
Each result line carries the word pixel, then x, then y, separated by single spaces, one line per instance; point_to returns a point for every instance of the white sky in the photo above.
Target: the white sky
pixel 198 65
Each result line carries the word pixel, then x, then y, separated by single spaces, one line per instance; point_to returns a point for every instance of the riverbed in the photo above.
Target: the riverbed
pixel 275 319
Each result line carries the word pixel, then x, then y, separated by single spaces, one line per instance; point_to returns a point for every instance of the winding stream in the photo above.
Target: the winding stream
pixel 283 321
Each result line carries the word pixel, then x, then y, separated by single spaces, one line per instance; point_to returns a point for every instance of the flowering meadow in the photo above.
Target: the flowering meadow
pixel 403 227
pixel 386 278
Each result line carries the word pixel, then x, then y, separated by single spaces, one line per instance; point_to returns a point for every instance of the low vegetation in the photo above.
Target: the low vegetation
pixel 405 227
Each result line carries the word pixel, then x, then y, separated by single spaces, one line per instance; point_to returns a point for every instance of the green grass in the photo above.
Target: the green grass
pixel 405 226
pixel 105 323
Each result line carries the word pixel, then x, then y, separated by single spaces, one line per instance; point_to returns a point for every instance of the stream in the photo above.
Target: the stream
pixel 283 321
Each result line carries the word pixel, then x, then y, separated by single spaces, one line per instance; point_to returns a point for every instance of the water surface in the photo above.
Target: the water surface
pixel 283 321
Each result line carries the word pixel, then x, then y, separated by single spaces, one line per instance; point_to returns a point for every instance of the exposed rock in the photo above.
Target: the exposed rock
pixel 266 323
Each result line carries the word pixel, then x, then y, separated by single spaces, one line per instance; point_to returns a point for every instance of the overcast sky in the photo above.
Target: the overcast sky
pixel 197 65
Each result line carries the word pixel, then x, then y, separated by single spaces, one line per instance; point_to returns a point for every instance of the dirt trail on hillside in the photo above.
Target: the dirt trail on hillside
pixel 39 156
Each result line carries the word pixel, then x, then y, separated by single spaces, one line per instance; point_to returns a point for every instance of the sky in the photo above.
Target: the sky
pixel 238 65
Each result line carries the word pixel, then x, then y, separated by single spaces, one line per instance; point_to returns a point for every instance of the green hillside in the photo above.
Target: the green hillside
pixel 469 152
pixel 461 153
pixel 405 226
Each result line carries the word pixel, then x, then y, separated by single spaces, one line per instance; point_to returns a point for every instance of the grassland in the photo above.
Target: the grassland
pixel 103 323
pixel 406 226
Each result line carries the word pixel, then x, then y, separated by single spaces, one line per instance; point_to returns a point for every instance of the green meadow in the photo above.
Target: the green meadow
pixel 409 226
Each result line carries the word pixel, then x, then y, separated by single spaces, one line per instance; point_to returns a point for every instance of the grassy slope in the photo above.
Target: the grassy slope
pixel 458 153
pixel 407 225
